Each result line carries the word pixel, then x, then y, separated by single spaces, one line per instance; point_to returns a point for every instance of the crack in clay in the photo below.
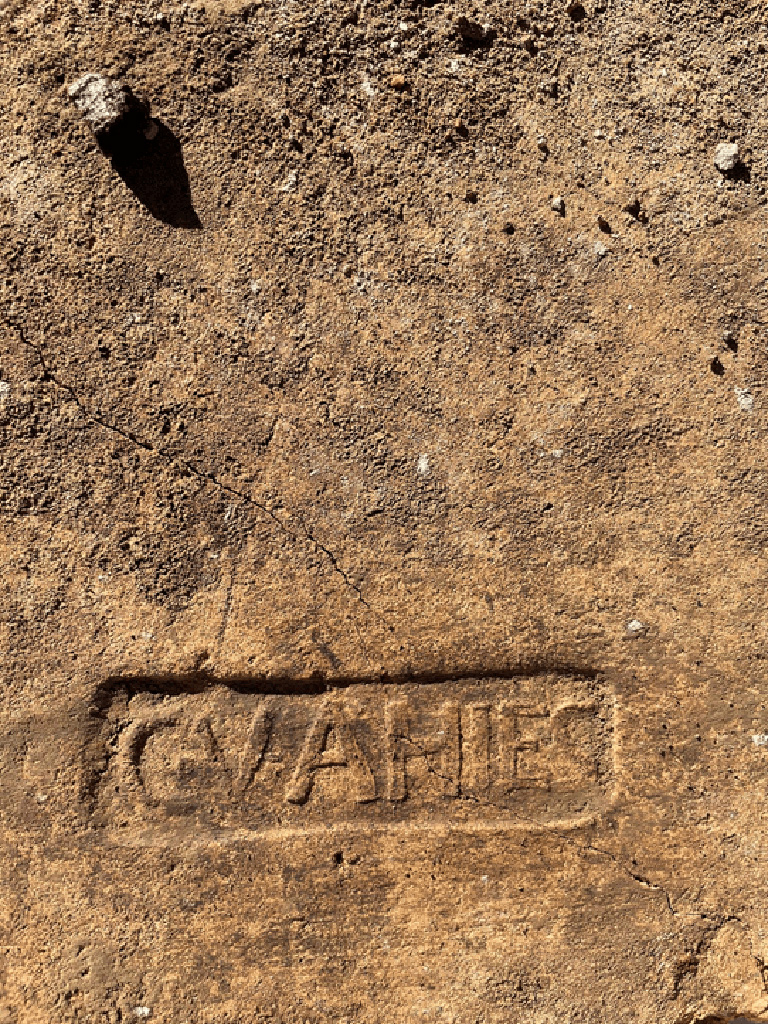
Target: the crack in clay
pixel 716 922
pixel 713 923
pixel 762 967
pixel 206 477
pixel 227 609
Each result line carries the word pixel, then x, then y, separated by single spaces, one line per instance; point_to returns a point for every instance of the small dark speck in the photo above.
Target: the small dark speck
pixel 717 367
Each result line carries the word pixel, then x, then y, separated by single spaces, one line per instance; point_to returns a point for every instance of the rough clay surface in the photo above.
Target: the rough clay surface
pixel 384 515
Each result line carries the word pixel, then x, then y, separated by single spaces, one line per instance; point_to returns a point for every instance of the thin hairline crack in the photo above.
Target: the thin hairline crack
pixel 714 922
pixel 206 477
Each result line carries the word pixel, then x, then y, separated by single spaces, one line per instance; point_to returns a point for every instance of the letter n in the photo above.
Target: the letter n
pixel 401 747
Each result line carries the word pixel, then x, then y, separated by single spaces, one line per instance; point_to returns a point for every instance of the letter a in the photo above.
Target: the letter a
pixel 316 756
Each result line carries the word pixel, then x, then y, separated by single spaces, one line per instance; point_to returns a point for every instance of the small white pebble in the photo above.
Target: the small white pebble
pixel 422 466
pixel 141 1011
pixel 727 157
pixel 635 626
pixel 5 389
pixel 760 740
pixel 744 398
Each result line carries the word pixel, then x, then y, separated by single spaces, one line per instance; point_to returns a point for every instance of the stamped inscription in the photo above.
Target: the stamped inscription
pixel 524 752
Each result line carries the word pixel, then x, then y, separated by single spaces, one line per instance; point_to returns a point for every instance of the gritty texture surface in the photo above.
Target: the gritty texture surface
pixel 420 355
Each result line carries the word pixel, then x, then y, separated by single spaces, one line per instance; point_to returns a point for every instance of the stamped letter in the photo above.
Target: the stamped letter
pixel 345 753
pixel 524 729
pixel 253 755
pixel 476 749
pixel 401 747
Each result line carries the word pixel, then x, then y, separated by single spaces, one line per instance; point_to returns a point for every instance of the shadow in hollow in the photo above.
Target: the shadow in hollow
pixel 153 169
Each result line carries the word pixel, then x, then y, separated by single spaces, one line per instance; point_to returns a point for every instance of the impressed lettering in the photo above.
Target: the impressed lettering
pixel 529 752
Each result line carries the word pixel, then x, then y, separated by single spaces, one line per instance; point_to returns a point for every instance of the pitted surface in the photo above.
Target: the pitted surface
pixel 384 514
